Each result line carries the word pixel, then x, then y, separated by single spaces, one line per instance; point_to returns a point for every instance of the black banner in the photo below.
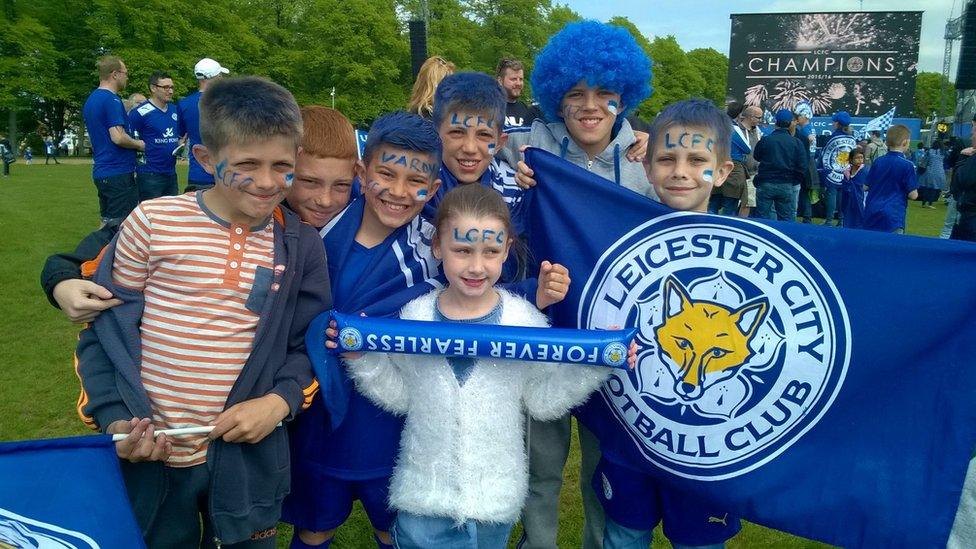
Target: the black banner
pixel 863 62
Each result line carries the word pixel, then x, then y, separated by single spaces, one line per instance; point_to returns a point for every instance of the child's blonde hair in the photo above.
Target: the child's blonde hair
pixel 429 76
pixel 898 136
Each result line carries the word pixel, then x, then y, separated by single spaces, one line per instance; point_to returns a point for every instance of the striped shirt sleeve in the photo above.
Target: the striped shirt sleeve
pixel 131 266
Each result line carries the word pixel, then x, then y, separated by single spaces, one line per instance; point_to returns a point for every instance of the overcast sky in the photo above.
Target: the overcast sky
pixel 705 23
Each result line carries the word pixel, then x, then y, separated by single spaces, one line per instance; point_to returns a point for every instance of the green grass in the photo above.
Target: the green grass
pixel 47 209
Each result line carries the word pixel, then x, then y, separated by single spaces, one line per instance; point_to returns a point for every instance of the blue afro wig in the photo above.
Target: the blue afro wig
pixel 473 92
pixel 405 131
pixel 604 55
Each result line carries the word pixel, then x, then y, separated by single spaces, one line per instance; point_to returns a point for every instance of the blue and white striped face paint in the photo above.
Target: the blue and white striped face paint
pixel 708 175
pixel 612 107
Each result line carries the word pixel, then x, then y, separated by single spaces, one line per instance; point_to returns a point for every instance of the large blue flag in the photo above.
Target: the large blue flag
pixel 64 493
pixel 815 381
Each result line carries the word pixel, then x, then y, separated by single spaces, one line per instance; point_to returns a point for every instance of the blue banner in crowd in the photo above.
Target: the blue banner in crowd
pixel 813 380
pixel 64 493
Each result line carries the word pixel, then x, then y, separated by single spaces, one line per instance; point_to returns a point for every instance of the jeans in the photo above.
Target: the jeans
pixel 830 193
pixel 616 536
pixel 412 531
pixel 183 517
pixel 725 205
pixel 775 201
pixel 117 196
pixel 154 185
pixel 952 216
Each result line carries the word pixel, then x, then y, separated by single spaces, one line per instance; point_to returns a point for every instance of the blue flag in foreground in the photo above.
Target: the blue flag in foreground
pixel 815 381
pixel 64 493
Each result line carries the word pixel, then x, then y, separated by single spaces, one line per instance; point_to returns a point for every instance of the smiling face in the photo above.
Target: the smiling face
pixel 590 113
pixel 396 184
pixel 683 167
pixel 249 180
pixel 469 142
pixel 472 250
pixel 321 188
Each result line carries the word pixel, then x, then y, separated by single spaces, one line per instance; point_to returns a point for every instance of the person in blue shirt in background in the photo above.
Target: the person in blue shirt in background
pixel 830 187
pixel 156 122
pixel 206 70
pixel 782 166
pixel 114 150
pixel 891 184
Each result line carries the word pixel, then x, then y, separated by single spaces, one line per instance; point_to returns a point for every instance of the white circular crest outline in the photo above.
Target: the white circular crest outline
pixel 837 321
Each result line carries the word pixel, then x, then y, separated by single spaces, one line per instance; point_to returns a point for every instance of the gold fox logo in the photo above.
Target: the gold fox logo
pixel 707 341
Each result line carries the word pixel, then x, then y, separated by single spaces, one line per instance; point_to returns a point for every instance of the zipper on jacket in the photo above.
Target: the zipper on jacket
pixel 217 542
pixel 589 164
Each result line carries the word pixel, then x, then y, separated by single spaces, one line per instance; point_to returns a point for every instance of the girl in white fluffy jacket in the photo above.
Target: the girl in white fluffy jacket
pixel 462 474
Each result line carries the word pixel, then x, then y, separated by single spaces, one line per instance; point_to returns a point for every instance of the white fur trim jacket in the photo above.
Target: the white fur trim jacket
pixel 462 452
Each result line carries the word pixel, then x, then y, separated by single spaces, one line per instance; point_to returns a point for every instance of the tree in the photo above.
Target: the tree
pixel 675 77
pixel 928 89
pixel 646 108
pixel 713 68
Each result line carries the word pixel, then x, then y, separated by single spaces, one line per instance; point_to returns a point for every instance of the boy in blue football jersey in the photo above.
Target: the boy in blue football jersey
pixel 891 183
pixel 683 174
pixel 157 122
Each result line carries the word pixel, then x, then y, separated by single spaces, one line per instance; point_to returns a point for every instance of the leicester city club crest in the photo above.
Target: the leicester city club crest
pixel 350 339
pixel 744 341
pixel 835 158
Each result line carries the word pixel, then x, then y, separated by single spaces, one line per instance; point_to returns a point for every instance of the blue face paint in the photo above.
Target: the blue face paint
pixel 219 169
pixel 479 235
pixel 707 175
pixel 612 107
pixel 422 195
pixel 289 179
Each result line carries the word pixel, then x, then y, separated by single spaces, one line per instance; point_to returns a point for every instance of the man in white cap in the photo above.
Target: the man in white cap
pixel 206 70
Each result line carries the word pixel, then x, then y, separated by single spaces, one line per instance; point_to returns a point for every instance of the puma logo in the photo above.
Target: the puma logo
pixel 706 341
pixel 722 521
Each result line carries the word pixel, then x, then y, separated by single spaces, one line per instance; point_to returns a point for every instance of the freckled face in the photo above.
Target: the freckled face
pixel 683 168
pixel 472 251
pixel 396 184
pixel 321 188
pixel 589 113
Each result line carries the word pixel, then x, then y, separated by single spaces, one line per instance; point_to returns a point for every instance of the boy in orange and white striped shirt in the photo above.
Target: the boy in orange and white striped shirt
pixel 218 287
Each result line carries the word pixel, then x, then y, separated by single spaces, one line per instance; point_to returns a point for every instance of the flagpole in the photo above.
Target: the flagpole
pixel 173 432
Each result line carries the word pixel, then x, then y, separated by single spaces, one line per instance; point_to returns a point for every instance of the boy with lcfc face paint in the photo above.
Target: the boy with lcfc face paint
pixel 587 79
pixel 689 156
pixel 469 113
pixel 218 287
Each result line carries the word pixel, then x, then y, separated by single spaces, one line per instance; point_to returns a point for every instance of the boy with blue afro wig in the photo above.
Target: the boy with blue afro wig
pixel 587 79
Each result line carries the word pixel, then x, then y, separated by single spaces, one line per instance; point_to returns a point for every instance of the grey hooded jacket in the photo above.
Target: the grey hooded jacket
pixel 611 164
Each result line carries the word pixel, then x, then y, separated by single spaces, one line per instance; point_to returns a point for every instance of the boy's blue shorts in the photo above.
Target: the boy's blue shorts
pixel 325 502
pixel 635 500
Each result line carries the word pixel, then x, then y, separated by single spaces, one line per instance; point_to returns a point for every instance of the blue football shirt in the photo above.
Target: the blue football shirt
pixel 189 109
pixel 889 181
pixel 103 110
pixel 160 131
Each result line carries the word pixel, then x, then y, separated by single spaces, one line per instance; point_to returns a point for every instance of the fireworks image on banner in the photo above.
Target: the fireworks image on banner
pixel 818 30
pixel 788 94
pixel 756 95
